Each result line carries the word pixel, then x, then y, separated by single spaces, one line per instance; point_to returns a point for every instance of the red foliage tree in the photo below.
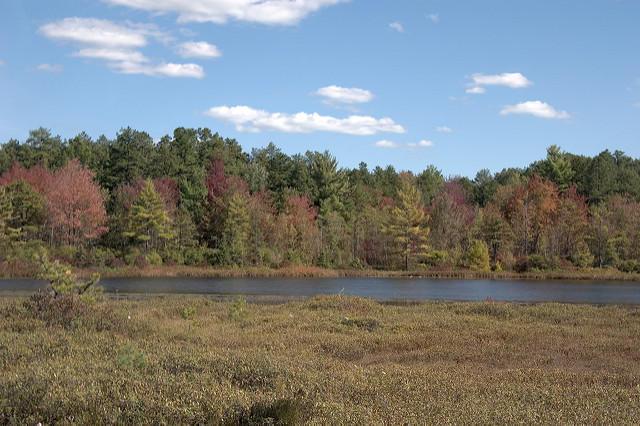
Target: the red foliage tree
pixel 38 177
pixel 75 204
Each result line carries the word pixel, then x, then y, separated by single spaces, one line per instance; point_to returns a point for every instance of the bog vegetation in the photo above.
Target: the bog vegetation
pixel 195 198
pixel 328 360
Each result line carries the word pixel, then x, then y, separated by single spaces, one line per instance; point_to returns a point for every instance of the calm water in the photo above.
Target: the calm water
pixel 377 288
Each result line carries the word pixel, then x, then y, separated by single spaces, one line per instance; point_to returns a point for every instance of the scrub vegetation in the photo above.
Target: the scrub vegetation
pixel 325 360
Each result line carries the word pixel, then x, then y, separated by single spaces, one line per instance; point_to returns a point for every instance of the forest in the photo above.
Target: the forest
pixel 196 198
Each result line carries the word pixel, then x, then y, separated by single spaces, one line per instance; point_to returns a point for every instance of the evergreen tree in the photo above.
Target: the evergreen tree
pixel 29 210
pixel 407 223
pixel 149 223
pixel 7 233
pixel 235 234
pixel 478 256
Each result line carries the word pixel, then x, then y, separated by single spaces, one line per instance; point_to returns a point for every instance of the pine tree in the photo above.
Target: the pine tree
pixel 149 223
pixel 235 236
pixel 7 233
pixel 478 256
pixel 407 223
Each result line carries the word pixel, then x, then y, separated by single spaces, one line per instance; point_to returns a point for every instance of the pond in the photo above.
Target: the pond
pixel 384 289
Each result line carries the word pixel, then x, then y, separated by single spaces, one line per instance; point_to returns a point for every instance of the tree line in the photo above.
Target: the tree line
pixel 196 198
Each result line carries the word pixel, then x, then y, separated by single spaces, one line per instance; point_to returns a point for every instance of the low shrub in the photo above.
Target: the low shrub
pixel 534 262
pixel 131 358
pixel 95 256
pixel 141 262
pixel 368 324
pixel 188 312
pixel 64 310
pixel 629 266
pixel 153 258
pixel 131 256
pixel 199 256
pixel 436 258
pixel 238 309
pixel 286 411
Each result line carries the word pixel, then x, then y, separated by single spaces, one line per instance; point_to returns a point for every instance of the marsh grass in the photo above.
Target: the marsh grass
pixel 326 360
pixel 297 271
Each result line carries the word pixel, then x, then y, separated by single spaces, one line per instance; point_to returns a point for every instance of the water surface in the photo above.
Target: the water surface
pixel 388 289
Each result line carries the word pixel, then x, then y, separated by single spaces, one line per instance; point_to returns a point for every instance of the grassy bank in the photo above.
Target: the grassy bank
pixel 329 360
pixel 316 272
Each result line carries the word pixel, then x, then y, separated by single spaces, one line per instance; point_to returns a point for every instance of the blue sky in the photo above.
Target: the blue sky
pixel 463 85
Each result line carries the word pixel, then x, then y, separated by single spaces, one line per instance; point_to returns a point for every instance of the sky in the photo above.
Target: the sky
pixel 460 84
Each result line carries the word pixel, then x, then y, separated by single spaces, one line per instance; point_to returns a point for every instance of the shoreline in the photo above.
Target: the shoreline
pixel 316 272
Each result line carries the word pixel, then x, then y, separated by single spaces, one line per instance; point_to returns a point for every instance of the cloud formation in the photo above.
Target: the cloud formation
pixel 385 143
pixel 199 49
pixel 537 109
pixel 92 31
pixel 444 129
pixel 434 17
pixel 247 119
pixel 269 12
pixel 54 68
pixel 344 95
pixel 425 143
pixel 117 45
pixel 513 80
pixel 396 26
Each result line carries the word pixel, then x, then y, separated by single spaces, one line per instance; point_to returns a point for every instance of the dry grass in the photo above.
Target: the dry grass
pixel 326 360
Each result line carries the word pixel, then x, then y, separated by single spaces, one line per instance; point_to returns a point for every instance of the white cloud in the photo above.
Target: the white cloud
pixel 199 49
pixel 179 70
pixel 434 17
pixel 386 144
pixel 270 12
pixel 476 90
pixel 97 32
pixel 537 109
pixel 345 95
pixel 397 26
pixel 422 144
pixel 444 129
pixel 248 119
pixel 117 45
pixel 50 68
pixel 160 70
pixel 112 55
pixel 513 80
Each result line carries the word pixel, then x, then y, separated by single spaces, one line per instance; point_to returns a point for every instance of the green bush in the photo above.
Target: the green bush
pixel 188 312
pixel 477 257
pixel 368 324
pixel 199 256
pixel 535 262
pixel 238 309
pixel 95 256
pixel 172 256
pixel 66 254
pixel 630 266
pixel 154 259
pixel 582 257
pixel 436 258
pixel 131 256
pixel 131 358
